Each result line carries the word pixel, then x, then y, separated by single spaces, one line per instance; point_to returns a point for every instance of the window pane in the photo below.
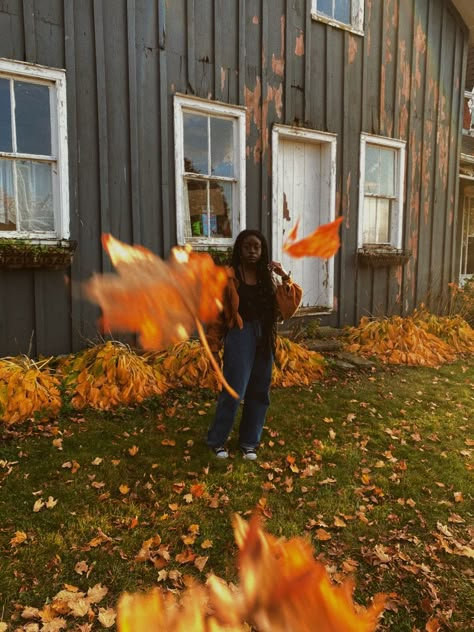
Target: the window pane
pixel 33 119
pixel 35 196
pixel 387 172
pixel 222 147
pixel 196 143
pixel 221 207
pixel 376 229
pixel 5 116
pixel 195 207
pixel 342 11
pixel 325 7
pixel 382 230
pixel 7 196
pixel 371 169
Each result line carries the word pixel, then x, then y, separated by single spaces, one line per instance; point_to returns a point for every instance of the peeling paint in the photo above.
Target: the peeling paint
pixel 368 22
pixel 420 47
pixel 347 209
pixel 286 210
pixel 252 103
pixel 399 278
pixel 353 46
pixel 278 63
pixel 404 96
pixel 223 78
pixel 276 95
pixel 299 47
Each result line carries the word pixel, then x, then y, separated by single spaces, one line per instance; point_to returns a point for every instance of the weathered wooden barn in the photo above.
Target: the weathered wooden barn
pixel 173 121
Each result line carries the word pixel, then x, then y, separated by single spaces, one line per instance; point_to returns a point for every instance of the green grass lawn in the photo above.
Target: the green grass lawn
pixel 374 467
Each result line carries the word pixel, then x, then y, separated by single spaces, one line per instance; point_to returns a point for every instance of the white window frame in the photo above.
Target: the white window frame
pixel 184 103
pixel 357 17
pixel 396 226
pixel 55 78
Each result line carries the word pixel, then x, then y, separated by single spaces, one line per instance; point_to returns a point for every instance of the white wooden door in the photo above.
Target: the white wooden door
pixel 304 188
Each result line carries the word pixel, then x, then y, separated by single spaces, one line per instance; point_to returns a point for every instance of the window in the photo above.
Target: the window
pixel 347 14
pixel 381 191
pixel 210 171
pixel 34 197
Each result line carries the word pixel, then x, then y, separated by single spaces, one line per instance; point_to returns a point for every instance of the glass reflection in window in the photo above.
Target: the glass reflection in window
pixel 32 118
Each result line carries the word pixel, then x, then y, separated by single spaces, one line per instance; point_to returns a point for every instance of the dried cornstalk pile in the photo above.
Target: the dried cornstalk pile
pixel 27 389
pixel 111 375
pixel 186 364
pixel 420 340
pixel 295 365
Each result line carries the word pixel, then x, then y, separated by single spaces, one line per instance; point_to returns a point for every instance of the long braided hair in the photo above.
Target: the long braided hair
pixel 264 281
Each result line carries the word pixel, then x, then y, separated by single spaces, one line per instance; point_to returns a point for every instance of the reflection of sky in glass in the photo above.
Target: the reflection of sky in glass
pixel 7 202
pixel 380 170
pixel 195 143
pixel 342 11
pixel 325 6
pixel 222 133
pixel 5 116
pixel 35 196
pixel 33 119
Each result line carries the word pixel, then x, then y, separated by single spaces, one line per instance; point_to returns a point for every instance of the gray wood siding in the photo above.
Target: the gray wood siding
pixel 125 59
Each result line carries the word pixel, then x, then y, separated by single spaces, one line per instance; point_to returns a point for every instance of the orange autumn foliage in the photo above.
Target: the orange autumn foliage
pixel 324 242
pixel 159 300
pixel 282 589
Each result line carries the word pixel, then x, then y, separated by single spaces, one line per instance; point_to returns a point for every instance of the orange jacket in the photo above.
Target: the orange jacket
pixel 288 296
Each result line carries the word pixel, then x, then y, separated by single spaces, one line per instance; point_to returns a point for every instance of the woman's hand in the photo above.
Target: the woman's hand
pixel 277 268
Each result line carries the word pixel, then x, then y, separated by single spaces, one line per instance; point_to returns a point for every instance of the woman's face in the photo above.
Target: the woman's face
pixel 251 249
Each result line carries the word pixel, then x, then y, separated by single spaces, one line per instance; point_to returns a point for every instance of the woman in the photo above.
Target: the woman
pixel 253 302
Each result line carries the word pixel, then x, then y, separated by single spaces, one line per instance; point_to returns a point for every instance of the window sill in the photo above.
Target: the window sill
pixel 24 255
pixel 382 256
pixel 338 25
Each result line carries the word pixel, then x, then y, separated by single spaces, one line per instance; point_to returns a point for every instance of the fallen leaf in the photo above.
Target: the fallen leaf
pixel 39 504
pixel 51 502
pixel 97 593
pixel 200 562
pixel 79 607
pixel 19 538
pixel 322 535
pixel 81 567
pixel 107 617
pixel 133 451
pixel 124 489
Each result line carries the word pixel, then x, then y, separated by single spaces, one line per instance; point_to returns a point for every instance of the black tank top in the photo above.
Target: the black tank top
pixel 249 301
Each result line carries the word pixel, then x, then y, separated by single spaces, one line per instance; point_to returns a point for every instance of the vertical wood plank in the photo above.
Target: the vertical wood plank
pixel 29 31
pixel 165 123
pixel 242 47
pixel 218 19
pixel 308 29
pixel 191 53
pixel 70 62
pixel 105 220
pixel 133 122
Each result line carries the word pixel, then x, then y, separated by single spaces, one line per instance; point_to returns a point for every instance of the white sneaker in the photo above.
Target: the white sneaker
pixel 221 453
pixel 249 453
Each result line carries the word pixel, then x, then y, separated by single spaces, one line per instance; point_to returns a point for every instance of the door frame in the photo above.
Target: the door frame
pixel 314 137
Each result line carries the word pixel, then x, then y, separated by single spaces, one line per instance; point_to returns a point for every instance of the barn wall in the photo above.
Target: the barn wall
pixel 125 59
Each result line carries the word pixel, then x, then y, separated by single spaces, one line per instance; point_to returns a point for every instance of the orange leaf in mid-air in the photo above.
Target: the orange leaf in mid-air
pixel 159 300
pixel 163 302
pixel 282 588
pixel 324 242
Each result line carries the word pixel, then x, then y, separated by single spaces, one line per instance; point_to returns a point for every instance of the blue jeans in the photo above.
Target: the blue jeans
pixel 248 369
